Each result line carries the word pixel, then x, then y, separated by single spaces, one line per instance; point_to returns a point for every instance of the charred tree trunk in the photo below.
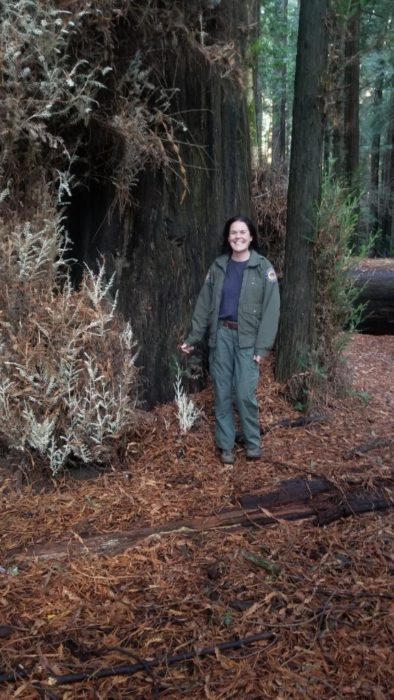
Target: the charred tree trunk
pixel 296 330
pixel 163 244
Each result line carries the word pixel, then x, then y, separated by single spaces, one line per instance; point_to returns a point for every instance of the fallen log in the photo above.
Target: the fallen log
pixel 374 279
pixel 298 499
pixel 117 542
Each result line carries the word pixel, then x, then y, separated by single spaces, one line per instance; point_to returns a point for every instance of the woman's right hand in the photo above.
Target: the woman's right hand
pixel 187 349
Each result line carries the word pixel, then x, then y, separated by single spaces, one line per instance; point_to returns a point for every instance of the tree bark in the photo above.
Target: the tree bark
pixel 296 329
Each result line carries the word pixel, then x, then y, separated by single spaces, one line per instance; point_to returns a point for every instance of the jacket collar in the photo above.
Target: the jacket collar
pixel 254 260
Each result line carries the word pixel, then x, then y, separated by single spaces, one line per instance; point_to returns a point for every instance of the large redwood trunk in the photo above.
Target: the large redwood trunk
pixel 162 246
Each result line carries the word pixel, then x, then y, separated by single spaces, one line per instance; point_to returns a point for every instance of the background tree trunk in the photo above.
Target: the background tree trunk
pixel 254 20
pixel 386 205
pixel 279 105
pixel 296 328
pixel 335 99
pixel 352 94
pixel 375 156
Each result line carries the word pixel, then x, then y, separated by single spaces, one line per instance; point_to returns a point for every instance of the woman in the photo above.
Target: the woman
pixel 239 304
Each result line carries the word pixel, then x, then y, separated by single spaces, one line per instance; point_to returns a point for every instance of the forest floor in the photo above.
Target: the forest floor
pixel 315 604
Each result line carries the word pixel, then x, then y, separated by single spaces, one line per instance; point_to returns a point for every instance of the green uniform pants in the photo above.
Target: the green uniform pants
pixel 234 371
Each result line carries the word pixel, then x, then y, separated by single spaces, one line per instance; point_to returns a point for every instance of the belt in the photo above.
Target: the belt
pixel 229 324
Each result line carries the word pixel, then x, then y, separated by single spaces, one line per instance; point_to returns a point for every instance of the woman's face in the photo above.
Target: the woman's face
pixel 239 237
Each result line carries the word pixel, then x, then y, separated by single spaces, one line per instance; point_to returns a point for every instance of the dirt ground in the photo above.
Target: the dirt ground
pixel 319 599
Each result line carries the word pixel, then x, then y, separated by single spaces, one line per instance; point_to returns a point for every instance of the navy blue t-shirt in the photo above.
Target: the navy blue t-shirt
pixel 232 290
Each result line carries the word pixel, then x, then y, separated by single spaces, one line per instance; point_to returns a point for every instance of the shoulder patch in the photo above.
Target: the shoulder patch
pixel 271 275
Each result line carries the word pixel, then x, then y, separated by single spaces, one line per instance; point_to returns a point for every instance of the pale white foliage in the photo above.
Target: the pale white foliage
pixel 38 434
pixel 41 80
pixel 187 411
pixel 4 194
pixel 68 375
pixel 64 183
pixel 127 337
pixel 5 391
pixel 33 248
pixel 96 286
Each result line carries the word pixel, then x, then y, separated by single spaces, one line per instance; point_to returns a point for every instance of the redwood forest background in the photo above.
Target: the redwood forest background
pixel 133 564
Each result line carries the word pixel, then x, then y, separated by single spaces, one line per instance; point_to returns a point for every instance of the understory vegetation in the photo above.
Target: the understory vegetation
pixel 68 375
pixel 337 313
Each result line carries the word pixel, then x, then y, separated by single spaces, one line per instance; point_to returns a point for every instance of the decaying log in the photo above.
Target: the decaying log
pixel 363 503
pixel 296 499
pixel 290 491
pixel 117 542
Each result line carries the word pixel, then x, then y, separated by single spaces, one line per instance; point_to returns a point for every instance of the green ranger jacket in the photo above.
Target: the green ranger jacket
pixel 258 308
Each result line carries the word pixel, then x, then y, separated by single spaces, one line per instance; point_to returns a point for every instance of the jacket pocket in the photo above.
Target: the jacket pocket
pixel 250 316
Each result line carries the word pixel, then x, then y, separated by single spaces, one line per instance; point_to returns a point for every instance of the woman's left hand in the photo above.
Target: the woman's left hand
pixel 257 358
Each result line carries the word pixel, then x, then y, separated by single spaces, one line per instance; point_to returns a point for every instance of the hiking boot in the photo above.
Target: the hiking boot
pixel 227 456
pixel 254 453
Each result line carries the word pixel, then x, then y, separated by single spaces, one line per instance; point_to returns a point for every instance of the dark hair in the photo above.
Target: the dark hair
pixel 226 248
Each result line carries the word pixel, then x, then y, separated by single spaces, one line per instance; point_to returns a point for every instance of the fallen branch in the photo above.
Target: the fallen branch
pixel 240 605
pixel 14 676
pixel 366 447
pixel 144 664
pixel 285 423
pixel 295 422
pixel 332 593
